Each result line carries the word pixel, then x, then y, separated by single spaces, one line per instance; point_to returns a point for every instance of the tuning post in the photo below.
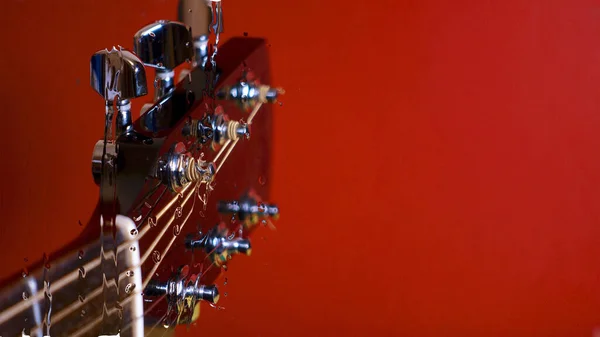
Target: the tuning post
pixel 164 45
pixel 178 290
pixel 118 75
pixel 248 209
pixel 178 168
pixel 216 128
pixel 219 246
pixel 247 94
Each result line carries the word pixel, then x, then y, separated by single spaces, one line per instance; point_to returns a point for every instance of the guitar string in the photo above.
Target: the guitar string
pixel 76 305
pixel 92 264
pixel 69 278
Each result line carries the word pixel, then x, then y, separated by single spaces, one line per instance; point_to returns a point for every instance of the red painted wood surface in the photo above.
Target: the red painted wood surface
pixel 436 162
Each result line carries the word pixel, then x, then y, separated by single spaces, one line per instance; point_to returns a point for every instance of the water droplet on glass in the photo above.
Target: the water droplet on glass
pixel 156 256
pixel 262 180
pixel 80 254
pixel 225 294
pixel 132 248
pixel 129 288
pixel 225 283
pixel 189 10
pixel 280 103
pixel 133 232
pixel 129 273
pixel 25 296
pixel 24 272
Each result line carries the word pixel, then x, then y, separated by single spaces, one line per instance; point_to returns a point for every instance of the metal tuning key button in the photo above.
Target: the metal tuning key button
pixel 247 94
pixel 248 209
pixel 118 76
pixel 178 290
pixel 219 246
pixel 197 14
pixel 164 45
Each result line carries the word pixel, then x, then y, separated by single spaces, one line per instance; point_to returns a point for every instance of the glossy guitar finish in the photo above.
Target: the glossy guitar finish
pixel 161 282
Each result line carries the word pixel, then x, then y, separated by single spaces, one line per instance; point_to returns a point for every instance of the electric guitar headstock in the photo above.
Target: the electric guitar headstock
pixel 183 185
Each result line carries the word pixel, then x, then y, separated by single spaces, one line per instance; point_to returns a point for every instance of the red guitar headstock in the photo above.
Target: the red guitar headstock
pixel 182 186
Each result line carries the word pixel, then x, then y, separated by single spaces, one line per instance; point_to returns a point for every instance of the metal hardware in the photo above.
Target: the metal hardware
pixel 164 45
pixel 117 76
pixel 178 290
pixel 248 209
pixel 219 246
pixel 217 128
pixel 178 168
pixel 197 14
pixel 247 94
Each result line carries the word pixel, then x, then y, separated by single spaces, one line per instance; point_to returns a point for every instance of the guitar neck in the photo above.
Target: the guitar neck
pixel 66 297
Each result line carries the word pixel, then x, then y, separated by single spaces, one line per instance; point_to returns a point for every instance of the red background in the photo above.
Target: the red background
pixel 437 162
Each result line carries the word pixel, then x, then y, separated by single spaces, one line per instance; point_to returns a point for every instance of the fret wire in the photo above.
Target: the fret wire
pixel 13 310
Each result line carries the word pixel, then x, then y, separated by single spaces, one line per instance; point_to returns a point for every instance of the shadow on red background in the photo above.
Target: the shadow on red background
pixel 436 162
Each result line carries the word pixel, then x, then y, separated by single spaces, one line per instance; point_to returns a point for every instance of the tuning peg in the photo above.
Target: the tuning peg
pixel 197 14
pixel 178 168
pixel 164 45
pixel 219 246
pixel 216 128
pixel 248 94
pixel 177 290
pixel 118 75
pixel 248 209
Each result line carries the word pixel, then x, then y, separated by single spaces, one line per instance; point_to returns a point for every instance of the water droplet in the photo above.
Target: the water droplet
pixel 225 294
pixel 189 10
pixel 81 298
pixel 129 288
pixel 129 273
pixel 280 103
pixel 24 272
pixel 133 232
pixel 225 267
pixel 132 248
pixel 264 222
pixel 156 256
pixel 225 283
pixel 25 296
pixel 82 312
pixel 262 180
pixel 80 254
